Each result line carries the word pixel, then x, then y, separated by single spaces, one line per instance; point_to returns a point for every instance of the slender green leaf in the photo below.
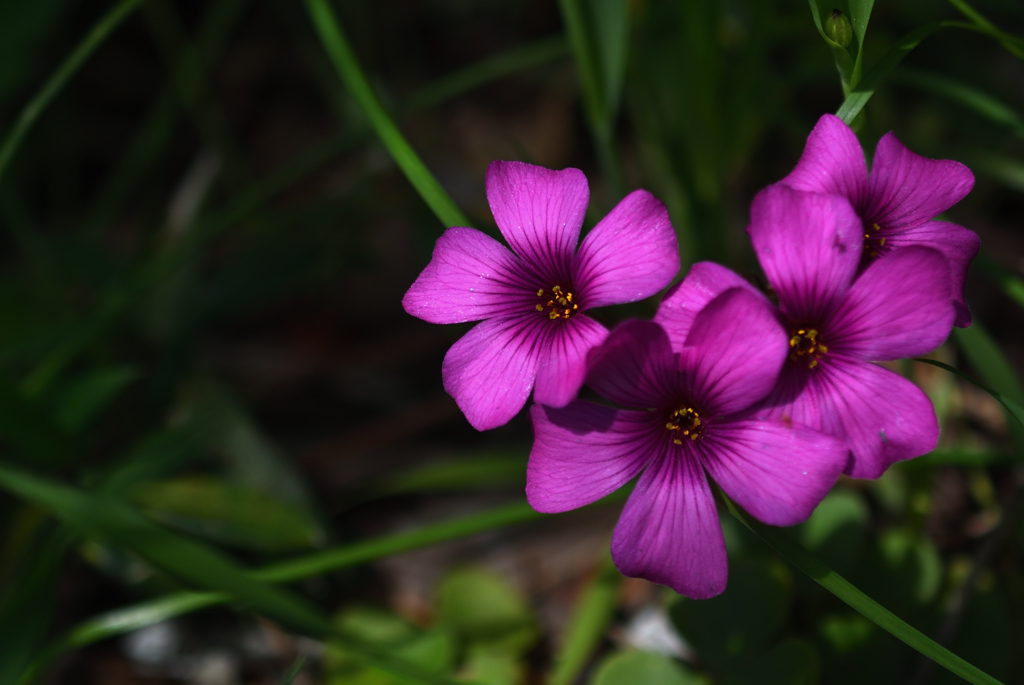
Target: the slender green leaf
pixel 849 594
pixel 859 97
pixel 84 399
pixel 961 93
pixel 1013 409
pixel 1011 43
pixel 590 618
pixel 55 83
pixel 518 59
pixel 611 34
pixel 344 60
pixel 1012 285
pixel 110 520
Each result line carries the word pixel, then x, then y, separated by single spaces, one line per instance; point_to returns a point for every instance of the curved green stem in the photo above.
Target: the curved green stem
pixel 869 608
pixel 344 60
pixel 67 69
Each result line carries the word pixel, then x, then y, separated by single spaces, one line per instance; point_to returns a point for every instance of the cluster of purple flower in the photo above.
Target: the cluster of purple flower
pixel 773 402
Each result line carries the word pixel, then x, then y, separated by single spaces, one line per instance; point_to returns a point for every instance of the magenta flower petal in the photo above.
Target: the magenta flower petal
pixel 562 364
pixel 883 417
pixel 470 277
pixel 635 367
pixel 631 254
pixel 958 244
pixel 683 301
pixel 539 212
pixel 888 315
pixel 906 189
pixel 490 371
pixel 669 532
pixel 584 452
pixel 809 246
pixel 777 471
pixel 832 162
pixel 734 352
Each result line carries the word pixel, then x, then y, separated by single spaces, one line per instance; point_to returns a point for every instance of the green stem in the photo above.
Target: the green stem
pixel 67 69
pixel 340 52
pixel 590 619
pixel 868 607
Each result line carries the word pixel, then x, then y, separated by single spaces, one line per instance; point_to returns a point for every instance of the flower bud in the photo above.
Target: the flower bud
pixel 838 28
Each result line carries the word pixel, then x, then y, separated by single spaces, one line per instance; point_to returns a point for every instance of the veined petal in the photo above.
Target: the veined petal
pixel 899 307
pixel 906 189
pixel 631 254
pixel 540 213
pixel 958 244
pixel 490 371
pixel 635 367
pixel 470 277
pixel 669 532
pixel 883 417
pixel 562 365
pixel 809 246
pixel 583 452
pixel 832 162
pixel 683 301
pixel 733 353
pixel 777 471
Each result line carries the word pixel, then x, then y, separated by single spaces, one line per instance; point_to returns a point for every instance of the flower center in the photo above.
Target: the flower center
pixel 872 244
pixel 684 423
pixel 804 344
pixel 559 304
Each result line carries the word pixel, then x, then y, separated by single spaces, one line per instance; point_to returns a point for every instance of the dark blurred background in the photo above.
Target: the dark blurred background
pixel 204 251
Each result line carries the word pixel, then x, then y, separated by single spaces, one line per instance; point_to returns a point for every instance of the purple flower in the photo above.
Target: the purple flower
pixel 837 323
pixel 897 202
pixel 534 334
pixel 684 421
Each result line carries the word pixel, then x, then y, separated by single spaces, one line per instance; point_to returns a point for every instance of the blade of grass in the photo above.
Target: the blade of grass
pixel 963 94
pixel 856 100
pixel 998 374
pixel 596 95
pixel 142 614
pixel 344 60
pixel 869 608
pixel 1013 409
pixel 1011 43
pixel 65 71
pixel 1010 284
pixel 110 520
pixel 590 619
pixel 518 59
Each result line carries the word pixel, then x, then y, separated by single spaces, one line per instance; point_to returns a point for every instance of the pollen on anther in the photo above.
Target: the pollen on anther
pixel 540 308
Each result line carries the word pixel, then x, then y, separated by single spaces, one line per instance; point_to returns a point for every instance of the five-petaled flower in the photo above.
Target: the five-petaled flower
pixel 837 322
pixel 897 202
pixel 534 334
pixel 684 418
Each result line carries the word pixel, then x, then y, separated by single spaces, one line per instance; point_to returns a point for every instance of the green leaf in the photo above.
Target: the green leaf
pixel 430 650
pixel 611 34
pixel 1011 43
pixel 836 529
pixel 60 77
pixel 590 618
pixel 27 602
pixel 739 622
pixel 344 60
pixel 962 93
pixel 85 398
pixel 28 428
pixel 620 668
pixel 192 562
pixel 481 607
pixel 849 594
pixel 227 514
pixel 791 662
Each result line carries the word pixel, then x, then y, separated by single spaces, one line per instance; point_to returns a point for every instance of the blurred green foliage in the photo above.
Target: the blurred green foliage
pixel 205 369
